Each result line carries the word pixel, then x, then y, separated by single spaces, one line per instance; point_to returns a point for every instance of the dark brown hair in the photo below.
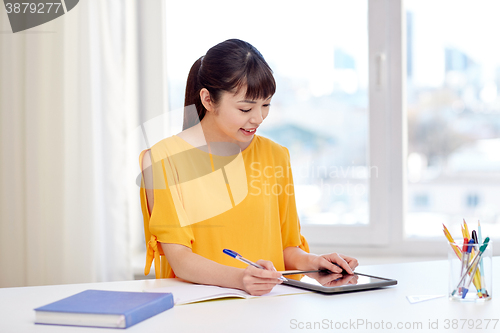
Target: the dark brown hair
pixel 228 66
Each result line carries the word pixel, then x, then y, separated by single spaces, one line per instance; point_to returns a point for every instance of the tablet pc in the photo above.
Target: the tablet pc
pixel 331 283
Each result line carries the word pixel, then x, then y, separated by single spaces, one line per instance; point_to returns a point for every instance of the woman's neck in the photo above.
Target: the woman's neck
pixel 213 134
pixel 202 134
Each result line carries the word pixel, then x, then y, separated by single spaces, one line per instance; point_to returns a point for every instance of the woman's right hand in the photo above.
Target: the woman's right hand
pixel 258 281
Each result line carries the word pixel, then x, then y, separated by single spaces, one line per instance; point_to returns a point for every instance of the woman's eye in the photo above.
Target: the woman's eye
pixel 266 105
pixel 245 110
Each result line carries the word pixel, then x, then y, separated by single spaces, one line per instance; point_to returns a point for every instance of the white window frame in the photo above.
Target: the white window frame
pixel 388 151
pixel 387 136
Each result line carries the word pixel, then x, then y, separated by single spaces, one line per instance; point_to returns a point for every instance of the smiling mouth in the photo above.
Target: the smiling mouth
pixel 249 131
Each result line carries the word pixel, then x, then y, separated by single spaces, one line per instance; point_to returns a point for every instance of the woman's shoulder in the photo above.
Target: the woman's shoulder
pixel 166 147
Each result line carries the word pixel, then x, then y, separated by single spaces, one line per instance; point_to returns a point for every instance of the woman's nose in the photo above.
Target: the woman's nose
pixel 257 117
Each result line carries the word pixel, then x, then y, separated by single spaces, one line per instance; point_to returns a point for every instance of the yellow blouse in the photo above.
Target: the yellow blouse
pixel 244 202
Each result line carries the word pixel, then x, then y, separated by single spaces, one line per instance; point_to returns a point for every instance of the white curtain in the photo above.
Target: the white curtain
pixel 68 101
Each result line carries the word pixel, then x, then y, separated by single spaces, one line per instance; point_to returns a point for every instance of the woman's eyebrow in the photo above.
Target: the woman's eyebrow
pixel 253 102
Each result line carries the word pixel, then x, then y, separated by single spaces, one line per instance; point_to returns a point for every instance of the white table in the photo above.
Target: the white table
pixel 353 311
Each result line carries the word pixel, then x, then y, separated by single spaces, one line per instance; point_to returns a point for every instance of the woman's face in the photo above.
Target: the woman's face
pixel 237 118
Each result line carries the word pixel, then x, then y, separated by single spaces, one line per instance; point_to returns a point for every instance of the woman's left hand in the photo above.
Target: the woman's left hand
pixel 335 263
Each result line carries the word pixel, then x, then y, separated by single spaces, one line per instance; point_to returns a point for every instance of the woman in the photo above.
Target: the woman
pixel 218 185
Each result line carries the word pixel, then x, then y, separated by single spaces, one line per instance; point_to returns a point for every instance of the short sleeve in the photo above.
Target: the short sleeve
pixel 165 222
pixel 289 219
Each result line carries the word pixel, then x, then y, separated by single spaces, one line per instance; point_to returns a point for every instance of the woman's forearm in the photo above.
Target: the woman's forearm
pixel 195 268
pixel 296 258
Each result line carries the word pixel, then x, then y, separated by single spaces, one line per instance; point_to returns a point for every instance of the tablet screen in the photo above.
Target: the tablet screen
pixel 326 281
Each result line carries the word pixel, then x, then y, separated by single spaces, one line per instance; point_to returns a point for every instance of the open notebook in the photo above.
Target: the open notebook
pixel 191 293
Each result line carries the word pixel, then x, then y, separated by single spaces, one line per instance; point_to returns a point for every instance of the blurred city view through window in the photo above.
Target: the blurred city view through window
pixel 453 82
pixel 320 109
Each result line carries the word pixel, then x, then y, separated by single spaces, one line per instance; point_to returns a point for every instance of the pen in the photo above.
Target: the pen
pixel 474 237
pixel 477 278
pixel 473 266
pixel 477 275
pixel 246 261
pixel 465 260
pixel 481 267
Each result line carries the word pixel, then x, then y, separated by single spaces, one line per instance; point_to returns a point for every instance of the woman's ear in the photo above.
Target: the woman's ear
pixel 206 99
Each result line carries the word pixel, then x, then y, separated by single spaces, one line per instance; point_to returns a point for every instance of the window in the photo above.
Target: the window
pixel 472 200
pixel 420 201
pixel 320 110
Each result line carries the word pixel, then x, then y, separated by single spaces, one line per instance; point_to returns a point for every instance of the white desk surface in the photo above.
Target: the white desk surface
pixel 381 307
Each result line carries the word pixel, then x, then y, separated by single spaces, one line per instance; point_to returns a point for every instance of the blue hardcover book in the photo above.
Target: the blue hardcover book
pixel 102 308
